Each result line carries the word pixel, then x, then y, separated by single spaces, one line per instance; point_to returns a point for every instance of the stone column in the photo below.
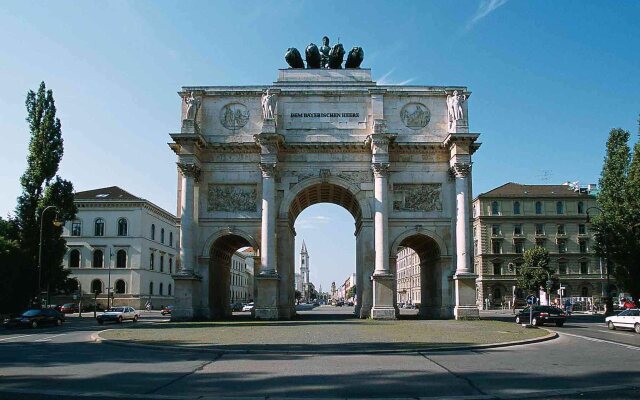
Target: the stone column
pixel 268 242
pixel 186 281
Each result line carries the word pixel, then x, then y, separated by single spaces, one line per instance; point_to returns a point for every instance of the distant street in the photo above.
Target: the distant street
pixel 58 362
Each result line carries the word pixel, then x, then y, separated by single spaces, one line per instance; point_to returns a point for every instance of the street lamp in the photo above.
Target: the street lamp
pixel 56 222
pixel 608 305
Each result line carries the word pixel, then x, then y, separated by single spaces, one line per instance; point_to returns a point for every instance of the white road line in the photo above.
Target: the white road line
pixel 628 346
pixel 14 337
pixel 48 338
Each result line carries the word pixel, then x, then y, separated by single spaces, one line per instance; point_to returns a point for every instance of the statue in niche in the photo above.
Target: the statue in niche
pixel 269 106
pixel 312 54
pixel 354 58
pixel 454 105
pixel 336 56
pixel 192 107
pixel 324 53
pixel 293 58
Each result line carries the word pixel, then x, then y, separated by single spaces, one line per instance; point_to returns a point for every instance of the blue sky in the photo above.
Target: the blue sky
pixel 549 80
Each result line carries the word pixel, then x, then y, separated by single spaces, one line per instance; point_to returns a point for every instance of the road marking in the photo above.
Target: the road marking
pixel 628 346
pixel 14 337
pixel 48 338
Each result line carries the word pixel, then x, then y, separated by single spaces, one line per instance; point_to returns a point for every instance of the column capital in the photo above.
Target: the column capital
pixel 461 170
pixel 380 170
pixel 269 142
pixel 190 170
pixel 268 169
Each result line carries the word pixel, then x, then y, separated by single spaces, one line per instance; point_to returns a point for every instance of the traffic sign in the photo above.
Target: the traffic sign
pixel 532 299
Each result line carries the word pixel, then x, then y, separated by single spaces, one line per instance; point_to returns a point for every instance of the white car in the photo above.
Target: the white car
pixel 118 314
pixel 628 319
pixel 248 307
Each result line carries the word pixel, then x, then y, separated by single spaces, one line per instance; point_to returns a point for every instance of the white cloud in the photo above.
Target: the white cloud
pixel 485 8
pixel 312 221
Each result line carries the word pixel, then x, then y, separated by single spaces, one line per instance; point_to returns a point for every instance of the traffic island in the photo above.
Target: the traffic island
pixel 336 336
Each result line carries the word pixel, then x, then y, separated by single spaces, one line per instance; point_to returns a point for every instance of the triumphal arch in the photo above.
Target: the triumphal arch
pixel 252 158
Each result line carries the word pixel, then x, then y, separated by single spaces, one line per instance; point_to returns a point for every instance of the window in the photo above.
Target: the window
pixel 76 228
pixel 516 208
pixel 99 227
pixel 161 289
pixel 98 259
pixel 583 246
pixel 562 268
pixel 518 246
pixel 584 267
pixel 152 259
pixel 153 232
pixel 150 287
pixel 495 229
pixel 121 259
pixel 161 262
pixel 162 235
pixel 539 229
pixel 122 227
pixel 169 290
pixel 497 268
pixel 562 246
pixel 497 294
pixel 584 292
pixel 517 229
pixel 496 246
pixel 494 208
pixel 540 242
pixel 170 265
pixel 559 207
pixel 96 286
pixel 561 230
pixel 582 229
pixel 170 239
pixel 580 207
pixel 120 286
pixel 538 207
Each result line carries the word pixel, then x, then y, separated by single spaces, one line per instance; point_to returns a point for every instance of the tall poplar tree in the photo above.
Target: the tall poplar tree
pixel 41 187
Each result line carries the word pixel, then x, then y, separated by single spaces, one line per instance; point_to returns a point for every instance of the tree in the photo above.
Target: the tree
pixel 40 189
pixel 298 295
pixel 15 287
pixel 533 273
pixel 352 292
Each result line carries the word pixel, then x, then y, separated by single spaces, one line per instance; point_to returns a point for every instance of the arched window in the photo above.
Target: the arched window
pixel 74 259
pixel 516 208
pixel 161 262
pixel 170 265
pixel 120 286
pixel 161 289
pixel 161 235
pixel 559 207
pixel 96 286
pixel 152 261
pixel 153 232
pixel 99 227
pixel 494 208
pixel 122 227
pixel 169 290
pixel 170 239
pixel 98 259
pixel 150 287
pixel 121 259
pixel 538 207
pixel 580 207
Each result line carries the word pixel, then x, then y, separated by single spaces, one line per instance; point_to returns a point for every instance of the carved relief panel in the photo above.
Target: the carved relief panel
pixel 424 197
pixel 232 198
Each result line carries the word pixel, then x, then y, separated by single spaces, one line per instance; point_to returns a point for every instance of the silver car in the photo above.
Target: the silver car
pixel 118 314
pixel 628 319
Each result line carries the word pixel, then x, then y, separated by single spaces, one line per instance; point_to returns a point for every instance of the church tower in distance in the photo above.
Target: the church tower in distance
pixel 304 270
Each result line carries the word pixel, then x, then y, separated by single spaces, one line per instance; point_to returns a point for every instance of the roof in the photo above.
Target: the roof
pixel 304 247
pixel 108 193
pixel 512 189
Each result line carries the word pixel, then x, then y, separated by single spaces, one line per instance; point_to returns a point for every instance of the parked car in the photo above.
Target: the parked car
pixel 167 310
pixel 118 314
pixel 237 306
pixel 627 319
pixel 56 307
pixel 36 317
pixel 542 315
pixel 248 307
pixel 69 308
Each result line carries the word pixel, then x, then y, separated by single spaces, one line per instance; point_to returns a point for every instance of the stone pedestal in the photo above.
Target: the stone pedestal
pixel 459 126
pixel 383 297
pixel 466 307
pixel 266 305
pixel 186 292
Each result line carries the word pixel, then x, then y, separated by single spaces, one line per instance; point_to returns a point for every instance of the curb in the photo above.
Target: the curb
pixel 95 337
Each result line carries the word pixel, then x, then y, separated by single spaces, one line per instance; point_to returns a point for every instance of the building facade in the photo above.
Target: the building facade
pixel 124 245
pixel 241 284
pixel 409 285
pixel 513 218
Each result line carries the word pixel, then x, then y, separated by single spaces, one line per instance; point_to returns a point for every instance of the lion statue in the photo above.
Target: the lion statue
pixel 354 58
pixel 312 54
pixel 336 56
pixel 293 58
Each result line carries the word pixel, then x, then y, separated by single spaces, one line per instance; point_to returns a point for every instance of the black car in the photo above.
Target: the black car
pixel 36 317
pixel 542 315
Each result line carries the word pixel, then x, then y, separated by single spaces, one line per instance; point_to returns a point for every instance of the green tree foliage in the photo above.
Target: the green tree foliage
pixel 352 292
pixel 41 187
pixel 617 229
pixel 15 287
pixel 533 273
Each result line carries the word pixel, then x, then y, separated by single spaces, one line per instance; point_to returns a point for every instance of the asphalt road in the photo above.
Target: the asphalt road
pixel 586 361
